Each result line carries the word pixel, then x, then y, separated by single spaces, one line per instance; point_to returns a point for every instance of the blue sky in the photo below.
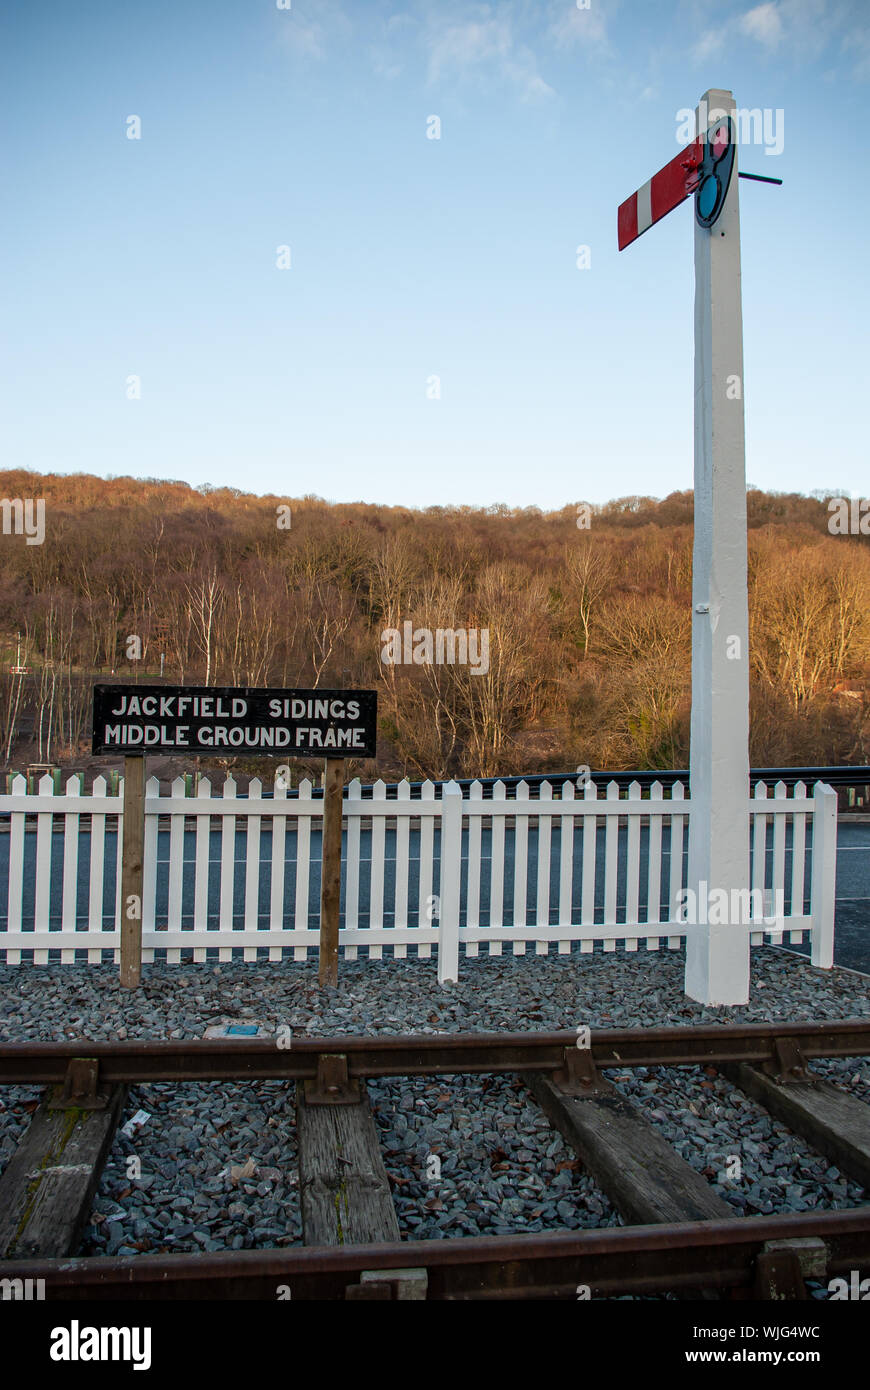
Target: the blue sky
pixel 413 257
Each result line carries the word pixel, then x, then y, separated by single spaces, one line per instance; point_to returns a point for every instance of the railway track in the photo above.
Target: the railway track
pixel 680 1237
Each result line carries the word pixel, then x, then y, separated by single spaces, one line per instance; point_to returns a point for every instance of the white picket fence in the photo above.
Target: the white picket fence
pixel 229 876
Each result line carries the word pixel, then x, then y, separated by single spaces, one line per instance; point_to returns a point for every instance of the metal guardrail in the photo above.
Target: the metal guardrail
pixel 837 776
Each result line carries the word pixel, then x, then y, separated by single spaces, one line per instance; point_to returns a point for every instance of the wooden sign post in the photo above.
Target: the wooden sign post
pixel 330 878
pixel 131 719
pixel 132 865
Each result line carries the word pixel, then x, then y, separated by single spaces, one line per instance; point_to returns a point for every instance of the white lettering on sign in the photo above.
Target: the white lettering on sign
pixel 329 738
pixel 154 735
pixel 171 706
pixel 314 709
pixel 150 719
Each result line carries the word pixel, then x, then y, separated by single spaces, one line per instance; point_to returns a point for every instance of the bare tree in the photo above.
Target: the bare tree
pixel 327 615
pixel 590 576
pixel 204 599
pixel 808 619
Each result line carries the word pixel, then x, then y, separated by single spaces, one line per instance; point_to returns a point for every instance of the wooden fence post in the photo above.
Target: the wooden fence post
pixel 451 874
pixel 133 853
pixel 824 880
pixel 330 876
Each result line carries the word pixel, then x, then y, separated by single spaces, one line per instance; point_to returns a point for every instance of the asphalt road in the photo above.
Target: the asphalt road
pixel 852 919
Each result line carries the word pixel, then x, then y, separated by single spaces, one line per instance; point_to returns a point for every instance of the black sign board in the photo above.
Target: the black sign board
pixel 223 720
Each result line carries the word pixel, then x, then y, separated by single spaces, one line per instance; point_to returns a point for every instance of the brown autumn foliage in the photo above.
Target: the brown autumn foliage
pixel 589 628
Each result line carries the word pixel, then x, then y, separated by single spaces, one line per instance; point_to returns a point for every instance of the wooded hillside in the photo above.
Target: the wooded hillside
pixel 589 627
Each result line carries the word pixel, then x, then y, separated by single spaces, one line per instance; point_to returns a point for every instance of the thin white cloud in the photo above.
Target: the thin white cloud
pixel 383 65
pixel 308 29
pixel 531 83
pixel 764 23
pixel 571 26
pixel 803 29
pixel 495 41
pixel 499 40
pixel 486 44
pixel 307 39
pixel 461 46
pixel 857 46
pixel 709 44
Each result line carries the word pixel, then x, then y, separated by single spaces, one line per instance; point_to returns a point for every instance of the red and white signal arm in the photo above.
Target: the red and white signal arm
pixel 660 194
pixel 704 167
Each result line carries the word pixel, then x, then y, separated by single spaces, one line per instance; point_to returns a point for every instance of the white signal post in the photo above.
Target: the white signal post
pixel 717 956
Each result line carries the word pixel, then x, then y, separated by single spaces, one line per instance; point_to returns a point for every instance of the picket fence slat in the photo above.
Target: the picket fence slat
pixel 149 877
pixel 759 843
pixel 566 864
pixel 95 897
pixel 69 909
pixel 497 863
pixel 303 864
pixel 780 793
pixel 545 832
pixel 351 891
pixel 611 860
pixel 426 897
pixel 678 822
pixel 228 867
pixel 824 874
pixel 475 828
pixel 378 865
pixel 403 836
pixel 252 865
pixel 176 870
pixel 119 862
pixel 201 874
pixel 798 855
pixel 42 886
pixel 590 839
pixel 654 868
pixel 521 864
pixel 277 867
pixel 632 864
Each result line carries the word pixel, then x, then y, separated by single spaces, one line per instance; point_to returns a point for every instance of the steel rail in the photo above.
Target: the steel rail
pixel 613 1260
pixel 133 1061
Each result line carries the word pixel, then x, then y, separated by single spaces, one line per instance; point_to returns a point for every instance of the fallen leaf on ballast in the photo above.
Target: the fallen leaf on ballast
pixel 238 1172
